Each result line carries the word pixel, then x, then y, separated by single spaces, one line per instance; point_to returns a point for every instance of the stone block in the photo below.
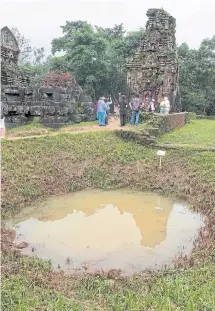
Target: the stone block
pixel 75 118
pixel 57 97
pixel 62 111
pixel 12 108
pixel 55 119
pixel 26 109
pixel 19 119
pixel 19 109
pixel 46 90
pixel 36 110
pixel 12 91
pixel 36 119
pixel 28 91
pixel 49 110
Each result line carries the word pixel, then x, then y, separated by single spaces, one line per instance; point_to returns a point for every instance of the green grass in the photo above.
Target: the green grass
pixel 32 287
pixel 21 293
pixel 36 129
pixel 205 163
pixel 31 129
pixel 26 126
pixel 87 123
pixel 199 133
pixel 58 163
pixel 190 290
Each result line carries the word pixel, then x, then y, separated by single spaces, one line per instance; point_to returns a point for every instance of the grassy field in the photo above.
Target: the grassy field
pixel 31 285
pixel 36 168
pixel 35 128
pixel 197 133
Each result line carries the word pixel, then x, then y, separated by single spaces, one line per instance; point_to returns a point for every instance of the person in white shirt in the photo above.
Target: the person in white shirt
pixel 166 105
pixel 2 123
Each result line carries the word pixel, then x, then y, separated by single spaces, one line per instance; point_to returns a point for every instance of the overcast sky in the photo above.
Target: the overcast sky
pixel 40 20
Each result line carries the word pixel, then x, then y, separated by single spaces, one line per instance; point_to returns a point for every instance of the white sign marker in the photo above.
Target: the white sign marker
pixel 161 153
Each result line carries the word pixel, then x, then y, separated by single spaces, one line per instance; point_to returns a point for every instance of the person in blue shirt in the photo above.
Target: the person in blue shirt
pixel 108 103
pixel 102 107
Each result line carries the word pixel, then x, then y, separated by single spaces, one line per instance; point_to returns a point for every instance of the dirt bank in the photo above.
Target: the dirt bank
pixel 35 130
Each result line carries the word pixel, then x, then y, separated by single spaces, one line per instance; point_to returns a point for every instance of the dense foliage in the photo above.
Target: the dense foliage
pixel 96 56
pixel 32 61
pixel 197 77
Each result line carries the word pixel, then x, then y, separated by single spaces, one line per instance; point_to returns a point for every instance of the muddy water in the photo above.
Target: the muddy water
pixel 123 229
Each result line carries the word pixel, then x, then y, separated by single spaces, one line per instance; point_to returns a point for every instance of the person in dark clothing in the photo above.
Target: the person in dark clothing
pixel 122 109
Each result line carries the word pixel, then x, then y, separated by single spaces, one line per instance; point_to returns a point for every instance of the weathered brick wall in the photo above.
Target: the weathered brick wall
pixel 157 124
pixel 169 122
pixel 175 120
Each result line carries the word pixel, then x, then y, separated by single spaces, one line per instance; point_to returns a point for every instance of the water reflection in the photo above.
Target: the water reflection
pixel 115 229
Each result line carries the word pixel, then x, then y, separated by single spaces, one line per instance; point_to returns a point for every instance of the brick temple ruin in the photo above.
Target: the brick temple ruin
pixel 153 71
pixel 23 102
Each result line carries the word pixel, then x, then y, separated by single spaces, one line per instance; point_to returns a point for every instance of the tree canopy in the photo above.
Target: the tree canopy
pixel 96 56
pixel 197 77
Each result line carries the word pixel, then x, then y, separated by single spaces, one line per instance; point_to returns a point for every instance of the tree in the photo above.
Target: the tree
pixel 117 32
pixel 28 55
pixel 132 40
pixel 59 63
pixel 24 46
pixel 197 77
pixel 84 54
pixel 38 70
pixel 32 61
pixel 96 56
pixel 38 56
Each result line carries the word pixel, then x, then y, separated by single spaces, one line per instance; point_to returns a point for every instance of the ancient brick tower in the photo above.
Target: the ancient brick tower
pixel 153 71
pixel 10 73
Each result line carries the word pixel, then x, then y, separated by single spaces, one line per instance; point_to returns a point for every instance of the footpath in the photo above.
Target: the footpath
pixel 113 125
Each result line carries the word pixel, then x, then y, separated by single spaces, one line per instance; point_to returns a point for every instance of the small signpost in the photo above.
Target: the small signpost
pixel 161 154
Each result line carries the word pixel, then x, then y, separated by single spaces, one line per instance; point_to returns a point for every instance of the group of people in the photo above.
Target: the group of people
pixel 121 106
